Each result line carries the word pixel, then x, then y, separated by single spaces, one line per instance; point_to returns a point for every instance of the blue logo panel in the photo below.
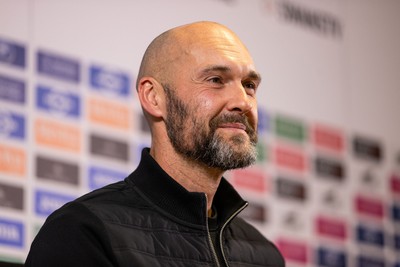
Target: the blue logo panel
pixel 12 90
pixel 364 261
pixel 111 81
pixel 397 242
pixel 11 233
pixel 263 120
pixel 58 67
pixel 47 202
pixel 331 258
pixel 99 177
pixel 12 125
pixel 12 54
pixel 396 213
pixel 370 236
pixel 66 104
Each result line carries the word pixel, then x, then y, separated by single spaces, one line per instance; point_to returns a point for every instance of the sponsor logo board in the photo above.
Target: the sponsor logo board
pixel 368 149
pixel 12 54
pixel 370 236
pixel 369 206
pixel 11 197
pixel 262 152
pixel 56 170
pixel 263 121
pixel 251 179
pixel 331 258
pixel 328 138
pixel 59 67
pixel 329 168
pixel 12 125
pixel 397 241
pixel 290 128
pixel 366 261
pixel 291 189
pixel 11 233
pixel 112 81
pixel 109 113
pixel 333 228
pixel 12 90
pixel 12 160
pixel 289 158
pixel 57 135
pixel 108 147
pixel 54 102
pixel 396 212
pixel 395 183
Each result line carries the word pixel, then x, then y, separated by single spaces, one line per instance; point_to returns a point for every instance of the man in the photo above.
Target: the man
pixel 197 86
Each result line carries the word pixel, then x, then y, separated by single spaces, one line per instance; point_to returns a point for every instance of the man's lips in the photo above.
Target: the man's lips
pixel 233 125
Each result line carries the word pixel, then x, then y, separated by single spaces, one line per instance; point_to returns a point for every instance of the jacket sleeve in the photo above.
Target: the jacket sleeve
pixel 72 236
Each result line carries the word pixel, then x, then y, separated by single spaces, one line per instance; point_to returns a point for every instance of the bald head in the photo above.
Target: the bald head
pixel 164 54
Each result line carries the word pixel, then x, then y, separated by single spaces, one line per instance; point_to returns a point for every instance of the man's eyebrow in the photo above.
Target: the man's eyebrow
pixel 220 68
pixel 215 68
pixel 254 75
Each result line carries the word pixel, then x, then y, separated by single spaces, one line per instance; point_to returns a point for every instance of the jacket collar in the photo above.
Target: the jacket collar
pixel 175 201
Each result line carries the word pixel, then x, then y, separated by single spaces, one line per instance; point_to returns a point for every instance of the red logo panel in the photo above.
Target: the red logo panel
pixel 293 159
pixel 329 138
pixel 293 250
pixel 251 179
pixel 369 206
pixel 331 228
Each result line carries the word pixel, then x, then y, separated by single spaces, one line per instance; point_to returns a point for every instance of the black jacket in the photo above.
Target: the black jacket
pixel 149 220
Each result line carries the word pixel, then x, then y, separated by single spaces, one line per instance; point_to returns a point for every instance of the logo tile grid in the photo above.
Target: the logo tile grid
pixel 51 104
pixel 329 145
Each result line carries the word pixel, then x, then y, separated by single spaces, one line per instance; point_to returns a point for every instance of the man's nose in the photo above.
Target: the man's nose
pixel 239 100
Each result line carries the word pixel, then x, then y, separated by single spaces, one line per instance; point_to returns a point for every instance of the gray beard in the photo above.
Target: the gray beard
pixel 208 148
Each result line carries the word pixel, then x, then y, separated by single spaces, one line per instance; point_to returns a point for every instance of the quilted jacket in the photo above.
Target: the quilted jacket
pixel 150 220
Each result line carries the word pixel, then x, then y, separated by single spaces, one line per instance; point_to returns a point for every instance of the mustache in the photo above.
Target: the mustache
pixel 233 118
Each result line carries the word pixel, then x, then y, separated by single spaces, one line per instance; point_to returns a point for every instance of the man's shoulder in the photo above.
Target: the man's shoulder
pixel 119 195
pixel 109 193
pixel 108 199
pixel 244 230
pixel 246 236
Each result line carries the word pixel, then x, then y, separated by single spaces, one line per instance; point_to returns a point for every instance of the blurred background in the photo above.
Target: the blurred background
pixel 326 186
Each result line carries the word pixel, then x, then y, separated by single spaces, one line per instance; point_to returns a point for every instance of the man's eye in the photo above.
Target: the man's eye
pixel 215 80
pixel 250 85
pixel 250 88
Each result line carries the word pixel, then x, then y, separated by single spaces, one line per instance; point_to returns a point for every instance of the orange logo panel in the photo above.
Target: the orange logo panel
pixel 57 135
pixel 12 160
pixel 109 113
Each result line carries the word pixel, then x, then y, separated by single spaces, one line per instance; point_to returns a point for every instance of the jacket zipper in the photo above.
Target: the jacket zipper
pixel 214 253
pixel 212 246
pixel 222 230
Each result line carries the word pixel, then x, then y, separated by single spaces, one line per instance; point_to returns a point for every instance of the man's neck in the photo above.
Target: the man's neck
pixel 192 175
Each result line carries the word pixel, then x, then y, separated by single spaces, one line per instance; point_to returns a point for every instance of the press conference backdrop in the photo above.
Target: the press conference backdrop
pixel 326 186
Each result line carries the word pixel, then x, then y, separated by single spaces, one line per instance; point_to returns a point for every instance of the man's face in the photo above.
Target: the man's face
pixel 195 135
pixel 211 102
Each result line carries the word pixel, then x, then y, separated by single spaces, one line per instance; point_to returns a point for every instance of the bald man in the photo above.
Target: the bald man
pixel 197 86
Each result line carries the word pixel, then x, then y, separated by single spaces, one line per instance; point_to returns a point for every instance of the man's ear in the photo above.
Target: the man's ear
pixel 151 96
